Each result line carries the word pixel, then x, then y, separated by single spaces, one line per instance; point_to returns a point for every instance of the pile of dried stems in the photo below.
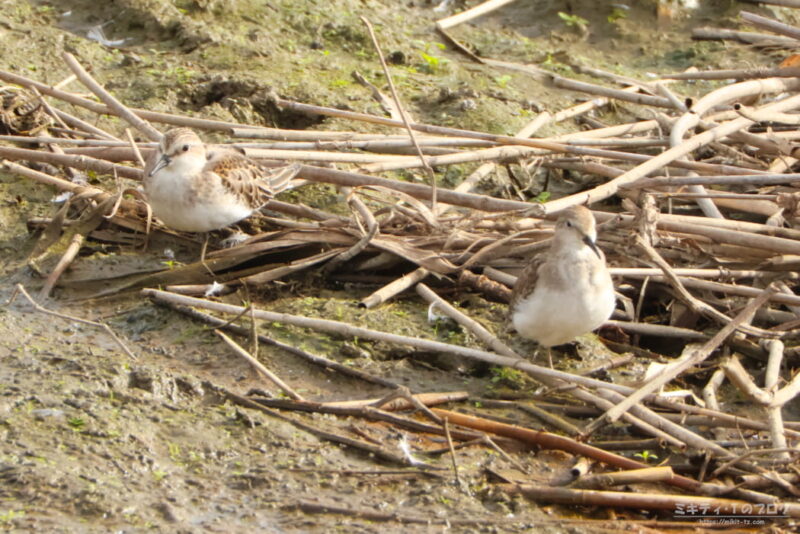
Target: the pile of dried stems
pixel 697 238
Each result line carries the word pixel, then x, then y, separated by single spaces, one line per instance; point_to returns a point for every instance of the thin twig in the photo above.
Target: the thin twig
pixel 406 122
pixel 258 366
pixel 19 288
pixel 141 125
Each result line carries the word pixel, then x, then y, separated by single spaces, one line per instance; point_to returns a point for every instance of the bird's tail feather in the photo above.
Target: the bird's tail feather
pixel 280 178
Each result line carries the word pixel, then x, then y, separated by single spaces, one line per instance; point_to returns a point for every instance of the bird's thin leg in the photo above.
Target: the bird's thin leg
pixel 538 353
pixel 203 256
pixel 203 249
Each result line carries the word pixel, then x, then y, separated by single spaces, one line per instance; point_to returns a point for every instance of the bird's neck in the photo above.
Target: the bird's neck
pixel 188 166
pixel 565 243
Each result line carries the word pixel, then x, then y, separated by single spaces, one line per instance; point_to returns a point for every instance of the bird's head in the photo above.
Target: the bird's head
pixel 180 150
pixel 577 225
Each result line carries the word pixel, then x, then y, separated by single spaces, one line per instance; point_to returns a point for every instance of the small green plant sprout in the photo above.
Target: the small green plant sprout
pixel 574 21
pixel 618 12
pixel 9 516
pixel 646 456
pixel 542 197
pixel 502 81
pixel 433 64
pixel 77 423
pixel 508 377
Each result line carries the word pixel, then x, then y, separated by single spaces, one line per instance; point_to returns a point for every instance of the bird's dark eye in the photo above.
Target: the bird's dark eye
pixel 569 224
pixel 185 148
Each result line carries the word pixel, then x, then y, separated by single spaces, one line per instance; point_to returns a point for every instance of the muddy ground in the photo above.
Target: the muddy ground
pixel 93 441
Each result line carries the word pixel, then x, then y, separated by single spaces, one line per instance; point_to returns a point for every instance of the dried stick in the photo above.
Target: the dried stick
pixel 552 420
pixel 470 324
pixel 369 448
pixel 682 505
pixel 446 426
pixel 750 179
pixel 258 366
pixel 311 358
pixel 344 329
pixel 691 359
pixel 770 24
pixel 735 74
pixel 19 288
pixel 135 147
pixel 120 109
pixel 74 246
pixel 754 38
pixel 627 96
pixel 774 413
pixel 84 126
pixel 400 403
pixel 372 229
pixel 471 13
pixel 406 122
pixel 79 162
pixel 786 3
pixel 370 514
pixel 710 389
pixel 393 288
pixel 698 305
pixel 629 476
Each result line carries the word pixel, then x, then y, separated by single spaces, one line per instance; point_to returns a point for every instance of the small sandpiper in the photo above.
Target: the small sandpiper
pixel 567 290
pixel 192 190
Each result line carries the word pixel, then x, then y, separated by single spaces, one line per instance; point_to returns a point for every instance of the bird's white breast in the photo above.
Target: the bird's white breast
pixel 580 300
pixel 182 203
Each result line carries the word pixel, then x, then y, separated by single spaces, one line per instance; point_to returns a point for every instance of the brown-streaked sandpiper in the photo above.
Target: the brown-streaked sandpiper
pixel 193 190
pixel 567 290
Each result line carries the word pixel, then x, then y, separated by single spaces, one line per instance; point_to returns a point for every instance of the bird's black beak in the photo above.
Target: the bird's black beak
pixel 592 245
pixel 162 162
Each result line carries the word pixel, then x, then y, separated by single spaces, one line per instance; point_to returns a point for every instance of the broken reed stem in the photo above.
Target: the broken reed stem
pixel 121 110
pixel 394 288
pixel 406 122
pixel 65 261
pixel 258 366
pixel 681 505
pixel 446 426
pixel 698 305
pixel 344 329
pixel 19 288
pixel 467 322
pixel 471 13
pixel 325 363
pixel 401 403
pixel 694 358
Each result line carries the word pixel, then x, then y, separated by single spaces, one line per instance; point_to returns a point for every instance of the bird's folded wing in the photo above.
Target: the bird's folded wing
pixel 526 282
pixel 241 176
